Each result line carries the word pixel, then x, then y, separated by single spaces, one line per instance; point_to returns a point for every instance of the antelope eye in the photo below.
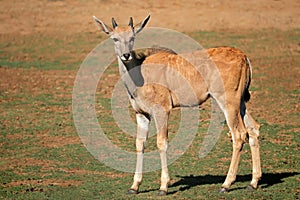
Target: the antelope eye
pixel 115 39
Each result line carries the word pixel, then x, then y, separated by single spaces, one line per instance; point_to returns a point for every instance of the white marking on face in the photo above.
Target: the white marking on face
pixel 123 58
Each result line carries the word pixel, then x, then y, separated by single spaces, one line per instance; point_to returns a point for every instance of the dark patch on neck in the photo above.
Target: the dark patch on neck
pixel 134 65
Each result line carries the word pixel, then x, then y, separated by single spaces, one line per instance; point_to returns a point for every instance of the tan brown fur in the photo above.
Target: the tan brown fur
pixel 234 75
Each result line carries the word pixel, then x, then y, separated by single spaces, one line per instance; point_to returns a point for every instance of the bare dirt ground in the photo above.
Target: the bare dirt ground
pixel 68 17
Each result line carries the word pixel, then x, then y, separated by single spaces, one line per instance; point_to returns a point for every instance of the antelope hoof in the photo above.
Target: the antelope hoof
pixel 251 188
pixel 132 191
pixel 162 193
pixel 224 190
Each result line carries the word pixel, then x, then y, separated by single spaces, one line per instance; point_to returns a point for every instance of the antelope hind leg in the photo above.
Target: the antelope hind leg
pixel 253 131
pixel 238 131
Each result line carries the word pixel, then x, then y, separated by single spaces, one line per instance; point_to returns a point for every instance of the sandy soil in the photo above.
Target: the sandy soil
pixel 66 16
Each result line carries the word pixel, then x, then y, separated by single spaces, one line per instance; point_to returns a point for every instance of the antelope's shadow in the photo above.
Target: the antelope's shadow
pixel 187 182
pixel 267 180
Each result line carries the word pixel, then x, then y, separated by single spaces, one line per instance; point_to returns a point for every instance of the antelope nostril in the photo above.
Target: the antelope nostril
pixel 126 55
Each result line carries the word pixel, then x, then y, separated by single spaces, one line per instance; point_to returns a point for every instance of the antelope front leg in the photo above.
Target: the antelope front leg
pixel 161 121
pixel 162 144
pixel 142 135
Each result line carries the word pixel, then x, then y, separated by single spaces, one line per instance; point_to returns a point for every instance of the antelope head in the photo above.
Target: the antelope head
pixel 123 36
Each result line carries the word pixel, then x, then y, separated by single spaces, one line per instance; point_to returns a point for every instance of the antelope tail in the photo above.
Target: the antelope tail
pixel 249 76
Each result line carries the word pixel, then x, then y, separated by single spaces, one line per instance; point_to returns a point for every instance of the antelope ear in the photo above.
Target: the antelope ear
pixel 139 27
pixel 114 23
pixel 102 26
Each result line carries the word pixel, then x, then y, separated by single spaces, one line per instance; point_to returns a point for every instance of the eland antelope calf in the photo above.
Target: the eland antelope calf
pixel 158 79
